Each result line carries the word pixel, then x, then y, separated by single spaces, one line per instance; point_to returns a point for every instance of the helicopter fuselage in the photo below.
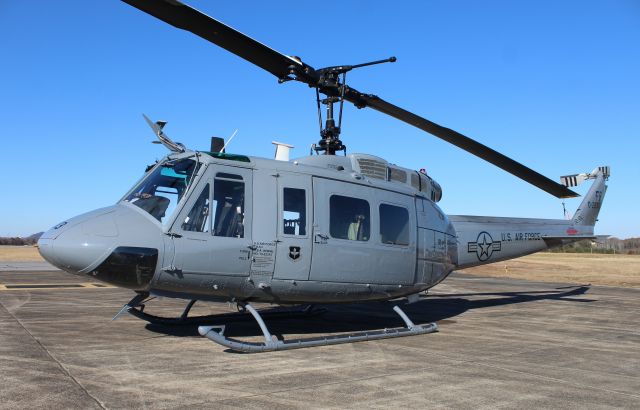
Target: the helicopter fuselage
pixel 319 229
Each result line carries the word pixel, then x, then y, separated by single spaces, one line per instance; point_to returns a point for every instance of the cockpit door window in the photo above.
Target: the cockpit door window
pixel 294 212
pixel 198 219
pixel 228 205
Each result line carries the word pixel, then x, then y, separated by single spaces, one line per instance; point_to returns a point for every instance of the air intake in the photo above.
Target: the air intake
pixel 372 168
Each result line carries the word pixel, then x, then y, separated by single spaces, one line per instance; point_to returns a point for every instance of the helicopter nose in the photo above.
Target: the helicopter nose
pixel 118 245
pixel 77 247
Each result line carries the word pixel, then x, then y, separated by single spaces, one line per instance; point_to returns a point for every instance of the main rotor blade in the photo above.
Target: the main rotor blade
pixel 184 17
pixel 461 141
pixel 284 67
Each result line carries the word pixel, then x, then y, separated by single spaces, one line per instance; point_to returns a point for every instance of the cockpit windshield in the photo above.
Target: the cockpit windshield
pixel 162 189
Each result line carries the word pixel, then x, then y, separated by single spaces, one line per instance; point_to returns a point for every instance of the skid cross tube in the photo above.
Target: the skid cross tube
pixel 185 320
pixel 215 334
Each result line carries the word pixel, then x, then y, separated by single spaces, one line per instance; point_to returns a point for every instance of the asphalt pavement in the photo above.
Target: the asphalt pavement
pixel 502 343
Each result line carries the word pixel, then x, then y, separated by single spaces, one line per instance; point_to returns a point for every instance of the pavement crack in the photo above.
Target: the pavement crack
pixel 54 359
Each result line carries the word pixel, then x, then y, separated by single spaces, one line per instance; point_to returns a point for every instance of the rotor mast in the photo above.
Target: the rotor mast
pixel 329 79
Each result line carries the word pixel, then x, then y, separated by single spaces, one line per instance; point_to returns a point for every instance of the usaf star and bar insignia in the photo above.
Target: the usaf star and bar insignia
pixel 484 246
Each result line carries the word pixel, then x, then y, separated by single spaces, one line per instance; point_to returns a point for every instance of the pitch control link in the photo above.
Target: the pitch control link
pixel 271 343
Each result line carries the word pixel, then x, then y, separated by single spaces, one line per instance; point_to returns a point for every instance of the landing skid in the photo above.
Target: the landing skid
pixel 271 343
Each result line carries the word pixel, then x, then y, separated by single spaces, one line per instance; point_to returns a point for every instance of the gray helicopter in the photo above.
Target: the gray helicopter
pixel 322 229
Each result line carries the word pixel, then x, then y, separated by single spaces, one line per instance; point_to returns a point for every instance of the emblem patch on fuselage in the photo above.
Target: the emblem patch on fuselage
pixel 484 246
pixel 294 253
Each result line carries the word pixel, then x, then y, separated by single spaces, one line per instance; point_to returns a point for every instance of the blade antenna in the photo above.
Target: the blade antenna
pixel 564 209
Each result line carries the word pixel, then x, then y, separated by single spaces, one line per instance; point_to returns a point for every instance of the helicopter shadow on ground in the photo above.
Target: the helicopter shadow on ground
pixel 358 317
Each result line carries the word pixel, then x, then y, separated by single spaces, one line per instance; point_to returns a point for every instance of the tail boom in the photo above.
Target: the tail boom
pixel 487 239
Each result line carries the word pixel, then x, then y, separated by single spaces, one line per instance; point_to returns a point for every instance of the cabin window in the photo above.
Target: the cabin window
pixel 294 211
pixel 228 205
pixel 394 225
pixel 198 219
pixel 415 180
pixel 396 174
pixel 424 183
pixel 349 218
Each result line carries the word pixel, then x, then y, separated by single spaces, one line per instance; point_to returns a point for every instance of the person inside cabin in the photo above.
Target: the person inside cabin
pixel 155 205
pixel 355 232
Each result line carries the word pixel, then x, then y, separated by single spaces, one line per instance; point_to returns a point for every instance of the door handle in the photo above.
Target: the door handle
pixel 321 238
pixel 172 270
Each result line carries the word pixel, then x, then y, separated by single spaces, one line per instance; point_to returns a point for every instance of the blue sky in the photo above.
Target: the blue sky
pixel 554 85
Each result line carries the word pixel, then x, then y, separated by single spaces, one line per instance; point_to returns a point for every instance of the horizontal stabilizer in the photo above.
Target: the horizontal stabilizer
pixel 555 241
pixel 571 237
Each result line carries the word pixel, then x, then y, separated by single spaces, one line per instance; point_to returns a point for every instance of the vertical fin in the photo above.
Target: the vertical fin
pixel 587 213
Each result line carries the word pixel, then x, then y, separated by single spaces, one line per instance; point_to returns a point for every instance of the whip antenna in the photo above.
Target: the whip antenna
pixel 230 138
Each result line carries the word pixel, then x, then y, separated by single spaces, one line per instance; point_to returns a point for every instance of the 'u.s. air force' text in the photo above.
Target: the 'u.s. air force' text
pixel 520 236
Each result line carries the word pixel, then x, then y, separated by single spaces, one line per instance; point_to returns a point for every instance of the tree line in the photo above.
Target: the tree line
pixel 16 241
pixel 611 245
pixel 20 241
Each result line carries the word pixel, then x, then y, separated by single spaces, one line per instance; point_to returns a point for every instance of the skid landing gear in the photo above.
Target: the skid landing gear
pixel 271 343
